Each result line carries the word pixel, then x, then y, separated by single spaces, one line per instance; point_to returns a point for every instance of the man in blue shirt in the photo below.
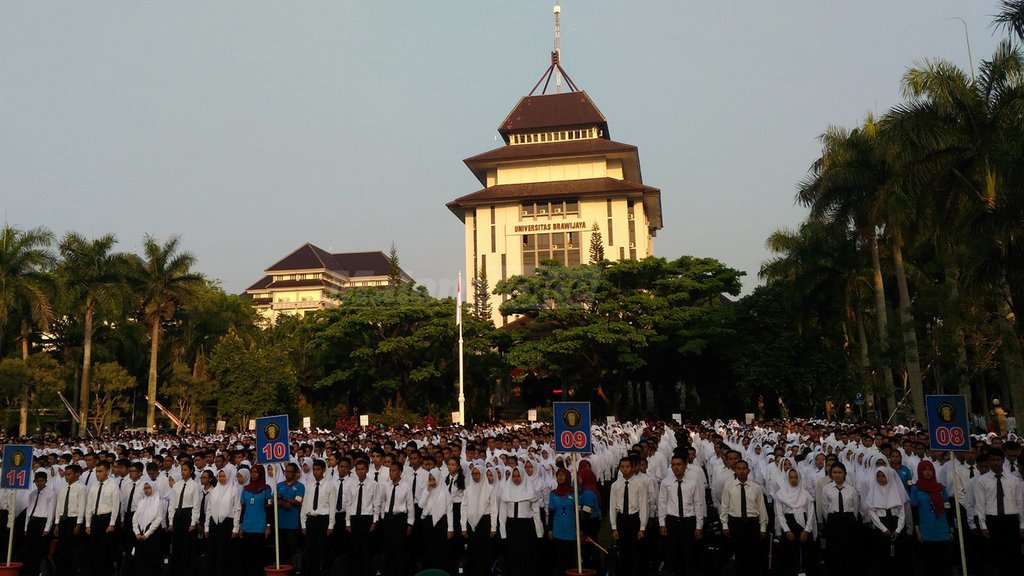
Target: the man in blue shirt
pixel 289 503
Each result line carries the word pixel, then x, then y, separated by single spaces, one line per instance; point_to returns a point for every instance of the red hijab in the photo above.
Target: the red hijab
pixel 564 482
pixel 256 482
pixel 588 480
pixel 931 487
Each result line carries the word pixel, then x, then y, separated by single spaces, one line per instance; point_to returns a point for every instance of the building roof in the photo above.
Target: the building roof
pixel 312 257
pixel 549 149
pixel 534 113
pixel 306 257
pixel 561 189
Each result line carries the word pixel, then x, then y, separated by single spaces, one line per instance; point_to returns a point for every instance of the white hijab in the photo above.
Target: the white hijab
pixel 435 501
pixel 522 492
pixel 223 497
pixel 150 508
pixel 477 497
pixel 892 495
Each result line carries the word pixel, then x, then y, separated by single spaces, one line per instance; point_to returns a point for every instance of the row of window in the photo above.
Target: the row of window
pixel 563 247
pixel 283 277
pixel 546 208
pixel 559 136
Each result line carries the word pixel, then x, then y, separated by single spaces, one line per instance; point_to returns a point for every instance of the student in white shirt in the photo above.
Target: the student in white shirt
pixel 223 514
pixel 317 520
pixel 360 517
pixel 681 512
pixel 886 506
pixel 146 522
pixel 628 511
pixel 102 508
pixel 838 507
pixel 42 503
pixel 744 519
pixel 795 524
pixel 519 522
pixel 999 502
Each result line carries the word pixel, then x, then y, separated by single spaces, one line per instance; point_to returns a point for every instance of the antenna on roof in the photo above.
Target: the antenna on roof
pixel 555 69
pixel 556 55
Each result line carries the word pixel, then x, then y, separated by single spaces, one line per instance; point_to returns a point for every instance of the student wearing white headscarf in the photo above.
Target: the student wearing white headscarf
pixel 479 519
pixel 885 503
pixel 146 523
pixel 519 522
pixel 436 528
pixel 795 524
pixel 223 512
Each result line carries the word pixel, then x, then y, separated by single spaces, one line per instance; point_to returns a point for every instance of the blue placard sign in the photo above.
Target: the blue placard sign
pixel 947 422
pixel 572 427
pixel 272 440
pixel 17 468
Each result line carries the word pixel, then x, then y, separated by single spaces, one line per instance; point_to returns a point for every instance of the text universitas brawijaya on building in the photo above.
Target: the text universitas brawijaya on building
pixel 311 278
pixel 558 174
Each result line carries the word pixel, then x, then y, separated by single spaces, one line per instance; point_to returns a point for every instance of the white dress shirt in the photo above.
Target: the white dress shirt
pixel 984 499
pixel 42 504
pixel 129 498
pixel 694 504
pixel 185 494
pixel 325 501
pixel 732 507
pixel 638 504
pixel 369 502
pixel 104 498
pixel 403 500
pixel 72 500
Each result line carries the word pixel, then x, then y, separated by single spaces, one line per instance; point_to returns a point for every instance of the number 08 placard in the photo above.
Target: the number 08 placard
pixel 947 422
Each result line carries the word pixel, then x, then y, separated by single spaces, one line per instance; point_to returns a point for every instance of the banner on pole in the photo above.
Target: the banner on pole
pixel 364 420
pixel 307 422
pixel 272 439
pixel 572 427
pixel 221 425
pixel 947 422
pixel 17 467
pixel 531 415
pixel 67 405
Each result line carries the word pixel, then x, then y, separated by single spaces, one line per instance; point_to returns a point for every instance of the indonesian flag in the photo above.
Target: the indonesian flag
pixel 458 301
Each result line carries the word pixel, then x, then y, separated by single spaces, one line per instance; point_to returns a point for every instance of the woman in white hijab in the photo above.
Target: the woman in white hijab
pixel 146 523
pixel 795 524
pixel 519 522
pixel 436 504
pixel 885 505
pixel 223 512
pixel 480 518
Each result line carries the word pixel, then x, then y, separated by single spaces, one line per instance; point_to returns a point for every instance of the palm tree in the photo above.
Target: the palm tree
pixel 165 279
pixel 94 278
pixel 24 258
pixel 961 137
pixel 1011 17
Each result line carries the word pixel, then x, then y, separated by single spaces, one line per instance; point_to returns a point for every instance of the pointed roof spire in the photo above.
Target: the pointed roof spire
pixel 555 69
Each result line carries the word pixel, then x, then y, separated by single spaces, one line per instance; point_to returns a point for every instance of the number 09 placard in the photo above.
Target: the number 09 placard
pixel 572 427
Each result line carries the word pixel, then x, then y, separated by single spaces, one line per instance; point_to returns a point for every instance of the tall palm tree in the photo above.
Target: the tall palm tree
pixel 844 189
pixel 165 279
pixel 93 276
pixel 1011 17
pixel 962 137
pixel 24 259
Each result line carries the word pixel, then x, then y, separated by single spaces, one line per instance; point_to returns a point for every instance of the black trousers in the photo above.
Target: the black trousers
pixel 884 550
pixel 254 550
pixel 340 540
pixel 792 557
pixel 435 544
pixel 456 546
pixel 218 555
pixel 520 536
pixel 36 546
pixel 67 544
pixel 148 558
pixel 182 542
pixel 127 532
pixel 678 544
pixel 481 548
pixel 101 544
pixel 393 538
pixel 842 543
pixel 316 560
pixel 745 534
pixel 361 553
pixel 289 540
pixel 630 559
pixel 1004 543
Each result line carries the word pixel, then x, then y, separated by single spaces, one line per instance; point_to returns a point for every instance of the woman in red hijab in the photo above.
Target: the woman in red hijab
pixel 591 519
pixel 931 524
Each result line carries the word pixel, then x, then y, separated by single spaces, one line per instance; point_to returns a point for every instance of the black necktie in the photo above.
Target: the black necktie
pixel 1000 507
pixel 679 496
pixel 515 510
pixel 131 496
pixel 359 501
pixel 202 511
pixel 743 500
pixel 841 507
pixel 625 497
pixel 414 484
pixel 316 497
pixel 972 471
pixel 98 492
pixel 181 497
pixel 341 493
pixel 376 476
pixel 33 513
pixel 67 502
pixel 391 505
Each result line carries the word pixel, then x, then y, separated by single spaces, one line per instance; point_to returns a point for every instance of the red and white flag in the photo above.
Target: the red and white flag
pixel 458 301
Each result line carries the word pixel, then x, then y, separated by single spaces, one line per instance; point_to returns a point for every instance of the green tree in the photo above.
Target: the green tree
pixel 394 270
pixel 251 381
pixel 92 276
pixel 111 389
pixel 482 297
pixel 1011 17
pixel 596 244
pixel 24 260
pixel 38 378
pixel 165 280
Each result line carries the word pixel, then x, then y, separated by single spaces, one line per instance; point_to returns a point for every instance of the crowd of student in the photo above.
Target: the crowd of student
pixel 784 497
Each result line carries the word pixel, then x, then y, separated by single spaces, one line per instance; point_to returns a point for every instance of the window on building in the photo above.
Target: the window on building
pixel 549 208
pixel 562 247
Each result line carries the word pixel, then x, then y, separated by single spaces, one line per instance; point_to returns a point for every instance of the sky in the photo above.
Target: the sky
pixel 251 127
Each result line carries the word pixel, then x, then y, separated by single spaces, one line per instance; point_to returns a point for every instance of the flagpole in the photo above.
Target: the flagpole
pixel 462 391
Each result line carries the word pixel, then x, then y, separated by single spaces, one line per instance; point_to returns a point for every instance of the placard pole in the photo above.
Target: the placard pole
pixel 959 519
pixel 576 507
pixel 10 529
pixel 277 544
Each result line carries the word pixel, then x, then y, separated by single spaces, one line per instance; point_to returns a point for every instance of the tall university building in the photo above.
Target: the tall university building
pixel 558 174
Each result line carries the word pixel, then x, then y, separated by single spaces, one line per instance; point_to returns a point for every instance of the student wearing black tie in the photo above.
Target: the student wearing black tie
pixel 103 507
pixel 184 518
pixel 131 494
pixel 395 502
pixel 360 518
pixel 42 503
pixel 839 508
pixel 317 520
pixel 999 500
pixel 70 518
pixel 744 520
pixel 342 478
pixel 681 512
pixel 628 513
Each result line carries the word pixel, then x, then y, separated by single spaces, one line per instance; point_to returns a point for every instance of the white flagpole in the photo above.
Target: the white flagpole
pixel 458 320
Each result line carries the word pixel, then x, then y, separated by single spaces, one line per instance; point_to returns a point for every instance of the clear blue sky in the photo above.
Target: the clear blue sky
pixel 251 127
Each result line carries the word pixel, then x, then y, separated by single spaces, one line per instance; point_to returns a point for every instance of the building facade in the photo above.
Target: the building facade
pixel 558 175
pixel 311 278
